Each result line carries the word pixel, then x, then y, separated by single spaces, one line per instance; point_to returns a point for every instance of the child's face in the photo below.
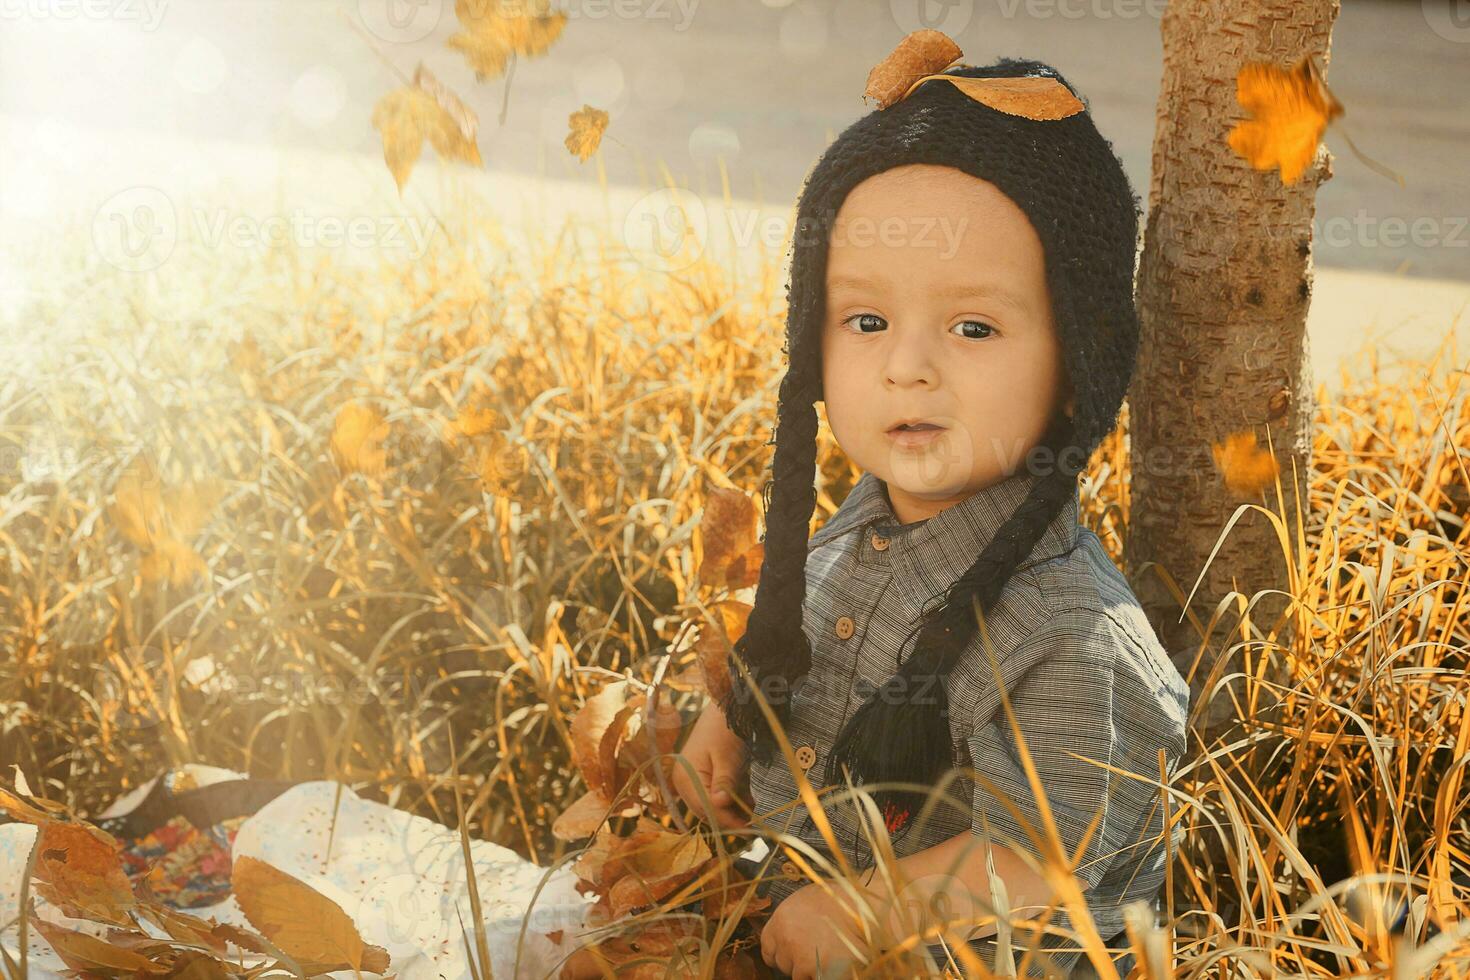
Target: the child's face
pixel 937 309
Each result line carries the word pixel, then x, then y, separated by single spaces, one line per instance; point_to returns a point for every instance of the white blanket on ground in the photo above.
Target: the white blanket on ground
pixel 400 877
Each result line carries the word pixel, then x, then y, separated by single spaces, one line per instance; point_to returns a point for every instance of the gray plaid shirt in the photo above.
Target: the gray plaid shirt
pixel 1082 667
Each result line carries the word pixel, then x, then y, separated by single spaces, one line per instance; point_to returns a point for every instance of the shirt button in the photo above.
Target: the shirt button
pixel 806 756
pixel 844 627
pixel 880 543
pixel 791 871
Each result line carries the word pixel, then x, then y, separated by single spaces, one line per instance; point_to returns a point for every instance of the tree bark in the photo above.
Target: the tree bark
pixel 1224 284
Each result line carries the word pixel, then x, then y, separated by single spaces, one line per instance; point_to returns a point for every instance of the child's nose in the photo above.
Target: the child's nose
pixel 911 361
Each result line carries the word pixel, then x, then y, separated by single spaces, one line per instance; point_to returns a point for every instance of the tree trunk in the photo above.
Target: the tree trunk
pixel 1223 289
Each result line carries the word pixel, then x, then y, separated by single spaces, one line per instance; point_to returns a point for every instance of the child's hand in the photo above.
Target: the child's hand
pixel 805 932
pixel 719 760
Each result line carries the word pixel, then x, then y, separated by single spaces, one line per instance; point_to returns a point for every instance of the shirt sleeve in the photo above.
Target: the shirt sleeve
pixel 1063 703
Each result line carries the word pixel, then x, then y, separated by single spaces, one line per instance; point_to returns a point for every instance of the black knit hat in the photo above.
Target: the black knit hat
pixel 1064 175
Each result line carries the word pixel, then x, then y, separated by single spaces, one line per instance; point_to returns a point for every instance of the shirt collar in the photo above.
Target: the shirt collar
pixel 934 552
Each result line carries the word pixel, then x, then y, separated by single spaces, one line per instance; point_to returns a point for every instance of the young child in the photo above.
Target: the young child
pixel 961 299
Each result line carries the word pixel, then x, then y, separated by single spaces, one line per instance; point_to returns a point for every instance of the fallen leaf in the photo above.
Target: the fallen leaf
pixel 1288 110
pixel 586 814
pixel 78 869
pixel 304 923
pixel 80 951
pixel 587 126
pixel 590 727
pixel 919 53
pixel 1246 467
pixel 668 947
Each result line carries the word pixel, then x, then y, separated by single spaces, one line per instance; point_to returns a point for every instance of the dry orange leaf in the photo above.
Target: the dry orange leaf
pixel 425 110
pixel 493 30
pixel 358 434
pixel 1033 96
pixel 587 126
pixel 919 53
pixel 1246 467
pixel 654 952
pixel 655 864
pixel 90 954
pixel 586 814
pixel 728 533
pixel 1289 112
pixel 593 721
pixel 717 642
pixel 476 422
pixel 305 924
pixel 79 871
pixel 160 521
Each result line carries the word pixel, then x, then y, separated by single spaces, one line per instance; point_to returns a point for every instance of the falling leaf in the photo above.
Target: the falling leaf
pixel 1247 468
pixel 160 520
pixel 304 923
pixel 919 53
pixel 490 33
pixel 1036 97
pixel 357 439
pixel 1289 112
pixel 424 110
pixel 476 422
pixel 587 125
pixel 502 465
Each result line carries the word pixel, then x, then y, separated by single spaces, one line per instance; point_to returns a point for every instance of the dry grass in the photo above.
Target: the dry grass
pixel 439 504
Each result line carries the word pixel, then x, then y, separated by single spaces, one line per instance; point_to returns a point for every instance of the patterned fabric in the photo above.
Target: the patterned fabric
pixel 1082 667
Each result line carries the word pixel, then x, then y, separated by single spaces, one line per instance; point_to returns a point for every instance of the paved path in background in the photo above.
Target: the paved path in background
pixel 224 195
pixel 763 83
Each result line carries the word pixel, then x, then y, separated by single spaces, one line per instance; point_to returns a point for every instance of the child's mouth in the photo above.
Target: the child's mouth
pixel 914 433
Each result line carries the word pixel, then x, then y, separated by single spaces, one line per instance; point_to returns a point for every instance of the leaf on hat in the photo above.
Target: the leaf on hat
pixel 1038 97
pixel 918 54
pixel 1289 112
pixel 1246 467
pixel 587 126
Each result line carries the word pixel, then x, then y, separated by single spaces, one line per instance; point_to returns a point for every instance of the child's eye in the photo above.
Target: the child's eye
pixel 987 328
pixel 865 316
